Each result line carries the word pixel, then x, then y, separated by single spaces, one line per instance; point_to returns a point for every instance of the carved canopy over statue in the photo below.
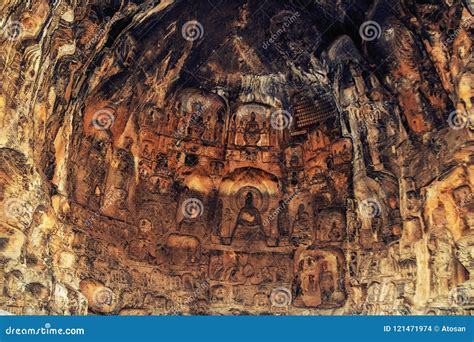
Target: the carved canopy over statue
pixel 251 126
pixel 247 196
pixel 318 280
pixel 200 115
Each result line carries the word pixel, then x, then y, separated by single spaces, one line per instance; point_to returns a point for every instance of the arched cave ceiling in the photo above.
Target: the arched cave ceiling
pixel 236 157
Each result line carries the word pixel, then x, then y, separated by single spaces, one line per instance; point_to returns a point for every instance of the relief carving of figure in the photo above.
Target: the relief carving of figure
pixel 207 135
pixel 252 131
pixel 249 214
pixel 219 131
pixel 326 280
pixel 283 221
pixel 249 222
pixel 301 228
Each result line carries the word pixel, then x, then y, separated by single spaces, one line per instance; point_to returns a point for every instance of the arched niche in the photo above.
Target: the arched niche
pixel 251 126
pixel 319 278
pixel 200 115
pixel 248 197
pixel 294 156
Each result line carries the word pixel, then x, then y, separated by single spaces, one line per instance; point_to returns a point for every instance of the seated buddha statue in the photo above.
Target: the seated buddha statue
pixel 252 131
pixel 249 215
pixel 249 223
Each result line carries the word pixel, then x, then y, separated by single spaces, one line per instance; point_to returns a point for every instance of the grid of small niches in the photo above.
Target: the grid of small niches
pixel 312 111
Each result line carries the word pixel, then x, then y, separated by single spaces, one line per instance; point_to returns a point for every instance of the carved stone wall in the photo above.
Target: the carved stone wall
pixel 173 157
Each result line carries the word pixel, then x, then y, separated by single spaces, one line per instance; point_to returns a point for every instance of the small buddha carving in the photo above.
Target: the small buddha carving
pixel 295 160
pixel 326 279
pixel 252 130
pixel 249 214
pixel 218 131
pixel 207 135
pixel 301 228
